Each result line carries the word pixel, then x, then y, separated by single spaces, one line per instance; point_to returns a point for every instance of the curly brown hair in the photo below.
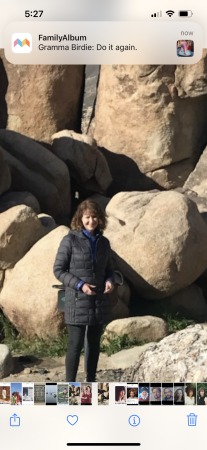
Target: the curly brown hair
pixel 188 389
pixel 93 207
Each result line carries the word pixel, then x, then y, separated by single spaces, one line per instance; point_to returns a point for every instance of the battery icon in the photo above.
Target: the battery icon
pixel 186 13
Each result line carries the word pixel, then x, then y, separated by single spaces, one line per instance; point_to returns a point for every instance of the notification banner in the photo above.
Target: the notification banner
pixel 103 43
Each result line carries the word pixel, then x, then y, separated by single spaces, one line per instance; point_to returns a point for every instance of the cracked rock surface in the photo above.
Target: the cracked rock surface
pixel 180 357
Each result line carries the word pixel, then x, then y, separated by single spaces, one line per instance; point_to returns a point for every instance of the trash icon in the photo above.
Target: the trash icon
pixel 192 420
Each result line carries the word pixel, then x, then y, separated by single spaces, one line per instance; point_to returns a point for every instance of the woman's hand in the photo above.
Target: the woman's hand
pixel 109 287
pixel 88 289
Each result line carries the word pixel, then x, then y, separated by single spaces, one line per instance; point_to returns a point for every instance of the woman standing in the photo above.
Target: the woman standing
pixel 83 265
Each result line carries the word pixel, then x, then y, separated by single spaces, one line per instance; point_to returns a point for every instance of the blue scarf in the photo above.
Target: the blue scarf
pixel 93 239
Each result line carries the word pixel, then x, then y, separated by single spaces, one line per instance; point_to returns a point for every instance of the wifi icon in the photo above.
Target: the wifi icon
pixel 170 12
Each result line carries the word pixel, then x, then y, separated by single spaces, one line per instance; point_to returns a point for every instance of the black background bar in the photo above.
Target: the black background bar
pixel 107 444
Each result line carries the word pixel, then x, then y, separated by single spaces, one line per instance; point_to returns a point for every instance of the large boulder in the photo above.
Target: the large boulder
pixel 41 99
pixel 139 114
pixel 5 175
pixel 159 240
pixel 27 297
pixel 36 169
pixel 86 163
pixel 20 228
pixel 123 116
pixel 180 357
pixel 143 328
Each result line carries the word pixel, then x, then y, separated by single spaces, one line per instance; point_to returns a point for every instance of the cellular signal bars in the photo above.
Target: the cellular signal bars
pixel 157 14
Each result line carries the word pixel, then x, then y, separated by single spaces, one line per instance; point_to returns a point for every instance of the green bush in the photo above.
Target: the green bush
pixel 39 347
pixel 176 322
pixel 116 343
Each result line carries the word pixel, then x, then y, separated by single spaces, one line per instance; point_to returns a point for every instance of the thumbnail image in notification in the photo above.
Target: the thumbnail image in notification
pixel 185 48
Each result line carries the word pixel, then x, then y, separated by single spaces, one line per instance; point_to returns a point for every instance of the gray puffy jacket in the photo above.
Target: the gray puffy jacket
pixel 73 263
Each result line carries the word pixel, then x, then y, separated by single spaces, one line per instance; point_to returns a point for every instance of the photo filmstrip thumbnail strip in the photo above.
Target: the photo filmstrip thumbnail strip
pixel 102 393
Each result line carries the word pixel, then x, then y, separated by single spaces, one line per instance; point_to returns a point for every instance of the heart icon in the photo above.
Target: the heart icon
pixel 72 420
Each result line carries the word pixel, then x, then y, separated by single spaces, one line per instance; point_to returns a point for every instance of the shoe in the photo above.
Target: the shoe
pixel 90 379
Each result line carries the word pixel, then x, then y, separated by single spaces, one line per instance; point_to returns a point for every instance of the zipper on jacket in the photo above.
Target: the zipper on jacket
pixel 95 256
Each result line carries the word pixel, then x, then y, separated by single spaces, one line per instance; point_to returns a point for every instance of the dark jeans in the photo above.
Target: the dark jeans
pixel 76 336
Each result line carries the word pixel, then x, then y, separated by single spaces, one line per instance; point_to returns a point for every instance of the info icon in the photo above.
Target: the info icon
pixel 21 42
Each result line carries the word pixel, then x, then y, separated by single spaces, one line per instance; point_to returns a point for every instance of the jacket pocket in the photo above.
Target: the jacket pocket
pixel 83 300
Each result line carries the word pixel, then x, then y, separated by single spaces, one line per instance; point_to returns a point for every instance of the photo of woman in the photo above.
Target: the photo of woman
pixel 120 394
pixel 190 395
pixel 202 397
pixel 132 395
pixel 86 394
pixel 179 396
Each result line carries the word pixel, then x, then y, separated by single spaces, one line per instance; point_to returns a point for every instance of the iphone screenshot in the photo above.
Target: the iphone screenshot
pixel 103 225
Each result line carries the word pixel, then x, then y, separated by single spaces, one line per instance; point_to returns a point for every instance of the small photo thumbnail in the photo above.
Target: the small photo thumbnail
pixel 39 394
pixel 103 393
pixel 120 394
pixel 132 394
pixel 62 394
pixel 74 393
pixel 27 393
pixel 179 394
pixel 190 393
pixel 5 394
pixel 16 394
pixel 167 394
pixel 86 393
pixel 51 394
pixel 185 48
pixel 155 394
pixel 143 394
pixel 201 393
